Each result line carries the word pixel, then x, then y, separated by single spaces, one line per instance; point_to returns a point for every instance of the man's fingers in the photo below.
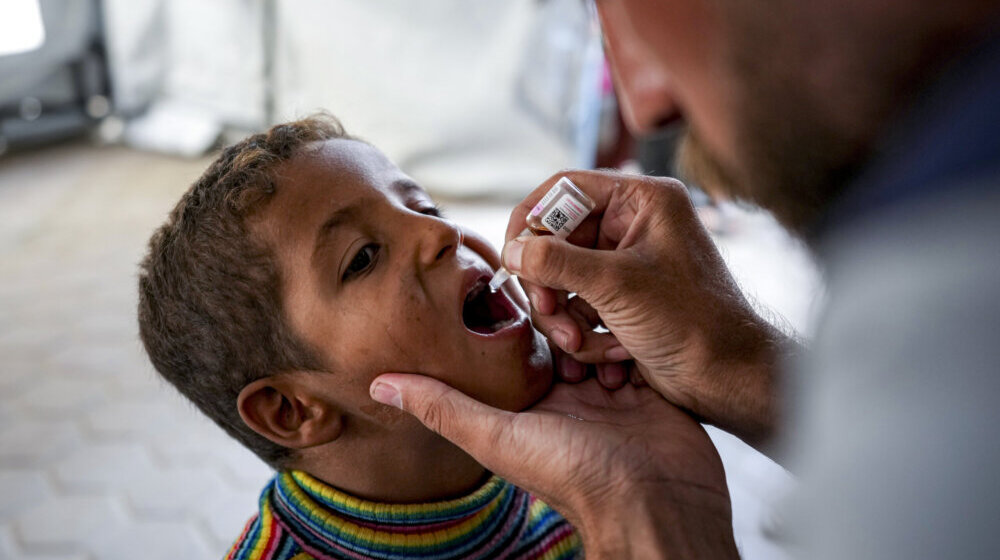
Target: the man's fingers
pixel 543 300
pixel 598 348
pixel 613 375
pixel 560 328
pixel 578 307
pixel 567 368
pixel 470 424
pixel 557 264
pixel 574 333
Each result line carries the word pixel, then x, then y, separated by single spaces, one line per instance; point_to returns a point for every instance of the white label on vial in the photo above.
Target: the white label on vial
pixel 564 216
pixel 545 200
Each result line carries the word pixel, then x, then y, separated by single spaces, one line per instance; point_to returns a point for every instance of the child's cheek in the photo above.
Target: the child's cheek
pixel 417 338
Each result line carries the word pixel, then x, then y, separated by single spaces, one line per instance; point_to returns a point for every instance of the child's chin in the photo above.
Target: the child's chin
pixel 532 387
pixel 538 372
pixel 526 383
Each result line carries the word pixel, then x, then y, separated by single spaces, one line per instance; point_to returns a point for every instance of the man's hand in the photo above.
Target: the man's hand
pixel 643 266
pixel 638 477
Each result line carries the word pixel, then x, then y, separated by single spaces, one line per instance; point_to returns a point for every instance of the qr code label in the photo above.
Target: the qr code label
pixel 555 220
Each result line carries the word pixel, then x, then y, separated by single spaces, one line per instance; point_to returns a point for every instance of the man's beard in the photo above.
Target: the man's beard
pixel 790 161
pixel 802 138
pixel 795 177
pixel 794 149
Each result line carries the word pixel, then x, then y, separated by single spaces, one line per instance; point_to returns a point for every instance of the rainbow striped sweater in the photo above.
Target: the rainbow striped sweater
pixel 301 518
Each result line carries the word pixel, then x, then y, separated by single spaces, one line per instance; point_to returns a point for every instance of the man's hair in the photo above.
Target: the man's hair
pixel 210 309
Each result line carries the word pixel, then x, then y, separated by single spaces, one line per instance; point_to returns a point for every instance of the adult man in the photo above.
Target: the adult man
pixel 867 128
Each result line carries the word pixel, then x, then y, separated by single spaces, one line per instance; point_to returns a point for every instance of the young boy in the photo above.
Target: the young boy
pixel 298 268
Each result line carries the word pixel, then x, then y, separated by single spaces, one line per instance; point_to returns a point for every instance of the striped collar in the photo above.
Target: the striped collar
pixel 498 520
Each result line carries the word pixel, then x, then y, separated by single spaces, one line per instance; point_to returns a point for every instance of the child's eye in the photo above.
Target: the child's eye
pixel 432 211
pixel 361 261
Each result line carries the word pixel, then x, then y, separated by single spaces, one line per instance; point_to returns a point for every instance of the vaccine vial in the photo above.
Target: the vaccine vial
pixel 558 213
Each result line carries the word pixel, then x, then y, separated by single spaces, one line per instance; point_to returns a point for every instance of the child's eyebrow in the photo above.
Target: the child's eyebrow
pixel 407 186
pixel 344 214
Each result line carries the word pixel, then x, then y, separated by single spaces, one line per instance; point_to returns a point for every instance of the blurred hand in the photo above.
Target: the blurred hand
pixel 643 266
pixel 635 475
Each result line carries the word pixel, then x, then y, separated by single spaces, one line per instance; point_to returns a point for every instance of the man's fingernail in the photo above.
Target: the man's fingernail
pixel 617 354
pixel 534 301
pixel 571 369
pixel 561 338
pixel 512 255
pixel 613 375
pixel 387 394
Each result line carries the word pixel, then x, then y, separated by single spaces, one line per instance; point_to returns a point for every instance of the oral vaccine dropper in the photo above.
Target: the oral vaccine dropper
pixel 558 213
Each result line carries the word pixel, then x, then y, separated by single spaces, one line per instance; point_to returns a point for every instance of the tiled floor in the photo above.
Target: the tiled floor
pixel 98 458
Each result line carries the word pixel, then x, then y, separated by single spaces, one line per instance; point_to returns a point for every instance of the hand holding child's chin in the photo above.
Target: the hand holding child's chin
pixel 589 452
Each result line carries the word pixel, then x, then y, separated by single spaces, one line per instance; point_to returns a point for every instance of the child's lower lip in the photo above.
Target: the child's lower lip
pixel 515 327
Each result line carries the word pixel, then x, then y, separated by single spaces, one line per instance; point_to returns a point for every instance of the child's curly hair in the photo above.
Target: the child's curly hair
pixel 210 309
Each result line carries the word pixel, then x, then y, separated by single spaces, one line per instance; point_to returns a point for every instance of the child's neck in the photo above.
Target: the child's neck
pixel 395 470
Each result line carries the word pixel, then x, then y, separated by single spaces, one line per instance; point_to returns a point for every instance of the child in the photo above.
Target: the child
pixel 298 268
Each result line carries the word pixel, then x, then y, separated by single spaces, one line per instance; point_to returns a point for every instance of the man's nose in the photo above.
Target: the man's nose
pixel 437 239
pixel 641 81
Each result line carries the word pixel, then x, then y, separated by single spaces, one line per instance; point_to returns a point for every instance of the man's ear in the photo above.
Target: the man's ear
pixel 285 410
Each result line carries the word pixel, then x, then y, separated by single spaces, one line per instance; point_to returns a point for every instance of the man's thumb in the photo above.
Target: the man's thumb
pixel 461 419
pixel 555 263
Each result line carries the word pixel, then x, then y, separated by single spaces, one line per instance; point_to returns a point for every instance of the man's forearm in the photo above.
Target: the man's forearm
pixel 747 401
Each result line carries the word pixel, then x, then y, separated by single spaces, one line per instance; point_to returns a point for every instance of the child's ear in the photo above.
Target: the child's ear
pixel 285 410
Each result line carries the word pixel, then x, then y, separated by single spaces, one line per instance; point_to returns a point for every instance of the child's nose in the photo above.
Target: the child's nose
pixel 438 239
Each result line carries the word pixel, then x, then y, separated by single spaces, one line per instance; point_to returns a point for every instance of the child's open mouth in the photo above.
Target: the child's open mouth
pixel 486 312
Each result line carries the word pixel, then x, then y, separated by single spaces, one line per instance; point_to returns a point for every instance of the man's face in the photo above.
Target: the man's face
pixel 666 61
pixel 376 282
pixel 766 120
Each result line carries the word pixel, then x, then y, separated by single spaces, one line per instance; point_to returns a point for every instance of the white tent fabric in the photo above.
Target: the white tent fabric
pixel 206 54
pixel 469 96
